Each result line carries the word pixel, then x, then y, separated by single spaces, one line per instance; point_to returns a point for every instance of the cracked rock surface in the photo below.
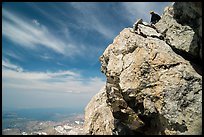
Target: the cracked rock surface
pixel 181 24
pixel 98 116
pixel 151 88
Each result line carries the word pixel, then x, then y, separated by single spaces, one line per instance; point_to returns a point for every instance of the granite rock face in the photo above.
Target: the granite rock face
pixel 181 24
pixel 152 86
pixel 98 116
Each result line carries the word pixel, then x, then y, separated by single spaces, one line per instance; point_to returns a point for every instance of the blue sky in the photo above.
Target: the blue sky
pixel 50 51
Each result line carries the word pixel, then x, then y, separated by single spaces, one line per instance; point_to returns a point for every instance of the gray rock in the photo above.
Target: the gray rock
pixel 152 80
pixel 181 24
pixel 98 116
pixel 151 88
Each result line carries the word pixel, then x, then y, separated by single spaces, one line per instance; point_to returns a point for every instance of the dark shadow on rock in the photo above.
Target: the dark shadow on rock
pixel 193 22
pixel 195 62
pixel 179 127
pixel 122 129
pixel 156 124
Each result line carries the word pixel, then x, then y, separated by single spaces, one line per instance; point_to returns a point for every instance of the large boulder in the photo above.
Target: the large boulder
pixel 181 24
pixel 152 86
pixel 98 117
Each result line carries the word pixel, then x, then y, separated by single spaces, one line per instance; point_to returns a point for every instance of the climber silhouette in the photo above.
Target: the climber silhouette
pixel 155 17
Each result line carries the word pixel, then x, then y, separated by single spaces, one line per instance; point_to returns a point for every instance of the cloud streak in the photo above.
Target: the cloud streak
pixel 6 64
pixel 90 19
pixel 33 35
pixel 61 81
pixel 136 10
pixel 12 54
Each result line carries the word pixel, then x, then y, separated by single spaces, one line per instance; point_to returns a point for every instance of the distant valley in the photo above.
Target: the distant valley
pixel 42 122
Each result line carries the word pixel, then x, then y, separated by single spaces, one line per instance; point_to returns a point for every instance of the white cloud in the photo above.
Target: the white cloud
pixel 36 22
pixel 58 63
pixel 12 54
pixel 22 31
pixel 62 24
pixel 138 10
pixel 61 81
pixel 57 21
pixel 46 57
pixel 8 65
pixel 90 19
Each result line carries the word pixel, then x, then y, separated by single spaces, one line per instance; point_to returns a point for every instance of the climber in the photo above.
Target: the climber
pixel 155 17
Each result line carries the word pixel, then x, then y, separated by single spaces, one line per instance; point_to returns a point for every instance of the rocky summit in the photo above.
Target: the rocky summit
pixel 154 78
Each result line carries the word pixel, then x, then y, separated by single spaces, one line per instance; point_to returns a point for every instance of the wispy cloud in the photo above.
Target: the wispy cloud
pixel 52 18
pixel 13 55
pixel 7 65
pixel 138 10
pixel 65 81
pixel 46 57
pixel 32 34
pixel 36 22
pixel 90 19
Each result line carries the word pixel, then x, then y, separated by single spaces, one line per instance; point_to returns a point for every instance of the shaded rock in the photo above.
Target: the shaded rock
pixel 181 24
pixel 98 116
